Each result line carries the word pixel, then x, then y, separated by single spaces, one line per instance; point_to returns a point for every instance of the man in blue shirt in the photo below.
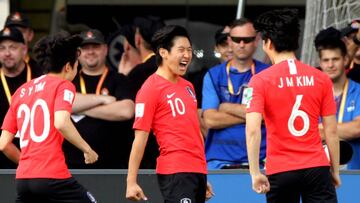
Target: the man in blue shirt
pixel 224 99
pixel 333 59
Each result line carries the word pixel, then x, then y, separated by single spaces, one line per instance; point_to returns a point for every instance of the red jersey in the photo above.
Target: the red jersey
pixel 292 96
pixel 170 110
pixel 31 114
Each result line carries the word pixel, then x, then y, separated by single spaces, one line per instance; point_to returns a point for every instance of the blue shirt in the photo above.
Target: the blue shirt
pixel 227 145
pixel 351 111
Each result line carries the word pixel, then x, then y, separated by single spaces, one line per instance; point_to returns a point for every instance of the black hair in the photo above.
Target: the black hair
pixel 329 38
pixel 52 52
pixel 240 22
pixel 164 38
pixel 281 27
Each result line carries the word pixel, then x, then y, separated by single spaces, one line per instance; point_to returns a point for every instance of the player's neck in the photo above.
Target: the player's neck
pixel 166 74
pixel 339 85
pixel 94 70
pixel 242 65
pixel 13 72
pixel 279 57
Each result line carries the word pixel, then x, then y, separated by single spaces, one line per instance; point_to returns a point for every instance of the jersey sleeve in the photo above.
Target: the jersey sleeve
pixel 328 104
pixel 64 97
pixel 10 122
pixel 210 99
pixel 145 107
pixel 255 95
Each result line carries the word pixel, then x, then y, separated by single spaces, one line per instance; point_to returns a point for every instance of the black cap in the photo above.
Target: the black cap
pixel 128 31
pixel 11 33
pixel 148 26
pixel 351 28
pixel 17 19
pixel 92 36
pixel 220 36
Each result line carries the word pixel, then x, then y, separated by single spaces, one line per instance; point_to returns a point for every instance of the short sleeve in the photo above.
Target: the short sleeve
pixel 328 106
pixel 145 107
pixel 64 97
pixel 255 94
pixel 210 99
pixel 10 122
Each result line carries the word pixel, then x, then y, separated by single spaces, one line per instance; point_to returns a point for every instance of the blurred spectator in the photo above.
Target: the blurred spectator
pixel 131 56
pixel 102 106
pixel 224 103
pixel 14 72
pixel 348 33
pixel 333 59
pixel 145 27
pixel 22 23
pixel 222 48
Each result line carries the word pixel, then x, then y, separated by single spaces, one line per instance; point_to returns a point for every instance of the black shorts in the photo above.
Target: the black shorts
pixel 183 187
pixel 44 190
pixel 313 185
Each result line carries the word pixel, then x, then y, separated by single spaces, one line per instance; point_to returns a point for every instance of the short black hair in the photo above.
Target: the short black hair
pixel 164 38
pixel 240 22
pixel 329 38
pixel 52 52
pixel 281 27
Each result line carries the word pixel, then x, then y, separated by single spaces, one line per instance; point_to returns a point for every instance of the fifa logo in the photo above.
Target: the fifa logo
pixel 185 200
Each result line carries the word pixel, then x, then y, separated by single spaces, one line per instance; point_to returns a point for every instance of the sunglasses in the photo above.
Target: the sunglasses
pixel 244 39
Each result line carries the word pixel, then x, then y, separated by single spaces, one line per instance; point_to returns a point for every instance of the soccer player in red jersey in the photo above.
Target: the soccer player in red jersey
pixel 40 112
pixel 166 103
pixel 291 97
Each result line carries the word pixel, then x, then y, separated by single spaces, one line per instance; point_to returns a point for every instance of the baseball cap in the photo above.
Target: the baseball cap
pixel 351 28
pixel 128 31
pixel 17 19
pixel 11 33
pixel 148 26
pixel 92 36
pixel 220 36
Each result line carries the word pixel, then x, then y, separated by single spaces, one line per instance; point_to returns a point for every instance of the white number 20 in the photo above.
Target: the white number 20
pixel 29 117
pixel 298 113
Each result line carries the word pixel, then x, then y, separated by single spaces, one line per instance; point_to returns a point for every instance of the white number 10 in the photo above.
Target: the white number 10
pixel 29 117
pixel 298 113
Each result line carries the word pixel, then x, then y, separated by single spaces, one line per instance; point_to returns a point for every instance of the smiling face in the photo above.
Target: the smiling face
pixel 11 54
pixel 93 56
pixel 177 60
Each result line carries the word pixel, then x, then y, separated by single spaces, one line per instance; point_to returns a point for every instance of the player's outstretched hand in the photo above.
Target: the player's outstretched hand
pixel 209 191
pixel 135 193
pixel 90 156
pixel 260 183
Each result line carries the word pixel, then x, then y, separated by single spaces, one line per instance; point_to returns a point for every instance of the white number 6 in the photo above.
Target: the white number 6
pixel 298 113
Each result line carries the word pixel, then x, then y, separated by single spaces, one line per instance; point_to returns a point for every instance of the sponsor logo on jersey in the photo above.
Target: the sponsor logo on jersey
pixel 170 95
pixel 139 110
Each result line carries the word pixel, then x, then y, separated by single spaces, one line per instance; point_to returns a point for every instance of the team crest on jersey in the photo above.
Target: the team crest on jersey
pixel 192 94
pixel 104 91
pixel 185 200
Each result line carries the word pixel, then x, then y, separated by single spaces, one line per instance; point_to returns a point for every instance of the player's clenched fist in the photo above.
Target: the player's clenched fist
pixel 91 156
pixel 135 193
